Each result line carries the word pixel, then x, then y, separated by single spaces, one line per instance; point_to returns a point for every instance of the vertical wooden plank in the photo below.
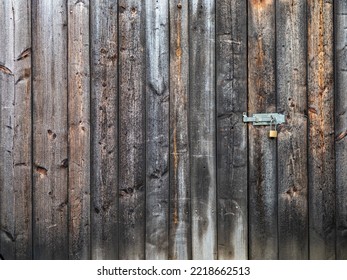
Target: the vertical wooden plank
pixel 15 131
pixel 262 150
pixel 79 129
pixel 341 127
pixel 132 114
pixel 321 154
pixel 231 61
pixel 157 129
pixel 50 225
pixel 292 137
pixel 104 133
pixel 180 226
pixel 7 81
pixel 202 129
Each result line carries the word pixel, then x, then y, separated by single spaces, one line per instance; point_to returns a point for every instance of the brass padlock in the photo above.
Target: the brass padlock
pixel 273 132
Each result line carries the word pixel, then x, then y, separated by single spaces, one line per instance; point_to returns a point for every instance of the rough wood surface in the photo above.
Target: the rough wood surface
pixel 121 133
pixel 132 162
pixel 7 81
pixel 180 225
pixel 202 129
pixel 321 154
pixel 157 129
pixel 292 137
pixel 15 130
pixel 263 238
pixel 50 156
pixel 231 58
pixel 341 128
pixel 79 129
pixel 104 132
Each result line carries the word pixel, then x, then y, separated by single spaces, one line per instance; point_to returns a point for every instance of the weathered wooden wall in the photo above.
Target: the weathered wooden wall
pixel 121 133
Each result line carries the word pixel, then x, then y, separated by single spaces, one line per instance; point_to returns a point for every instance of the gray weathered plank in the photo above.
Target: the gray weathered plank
pixel 262 150
pixel 15 130
pixel 157 128
pixel 50 225
pixel 202 129
pixel 132 164
pixel 231 75
pixel 79 129
pixel 341 128
pixel 104 132
pixel 180 226
pixel 7 81
pixel 292 137
pixel 321 154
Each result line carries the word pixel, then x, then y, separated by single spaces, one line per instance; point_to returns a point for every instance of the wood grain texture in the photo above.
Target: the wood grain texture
pixel 341 127
pixel 157 129
pixel 132 112
pixel 104 129
pixel 231 59
pixel 7 81
pixel 202 129
pixel 79 129
pixel 292 137
pixel 180 221
pixel 263 237
pixel 50 225
pixel 321 153
pixel 121 133
pixel 15 130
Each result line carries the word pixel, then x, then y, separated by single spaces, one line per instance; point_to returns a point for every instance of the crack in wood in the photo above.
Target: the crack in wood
pixel 24 54
pixel 8 234
pixel 5 70
pixel 341 136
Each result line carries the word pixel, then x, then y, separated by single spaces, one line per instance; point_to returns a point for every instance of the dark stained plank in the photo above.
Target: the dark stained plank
pixel 321 153
pixel 50 225
pixel 292 138
pixel 341 128
pixel 180 225
pixel 132 162
pixel 231 75
pixel 262 150
pixel 79 129
pixel 202 129
pixel 104 132
pixel 157 129
pixel 15 130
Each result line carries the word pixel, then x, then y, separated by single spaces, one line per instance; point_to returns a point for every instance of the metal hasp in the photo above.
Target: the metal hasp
pixel 265 118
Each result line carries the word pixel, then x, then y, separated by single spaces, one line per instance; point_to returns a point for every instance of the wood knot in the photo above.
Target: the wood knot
pixel 51 134
pixel 41 171
pixel 64 163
